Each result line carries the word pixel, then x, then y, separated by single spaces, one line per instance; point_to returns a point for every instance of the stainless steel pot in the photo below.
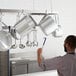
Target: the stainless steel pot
pixel 48 24
pixel 5 40
pixel 24 26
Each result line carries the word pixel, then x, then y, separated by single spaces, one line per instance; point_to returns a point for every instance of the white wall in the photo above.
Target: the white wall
pixel 67 15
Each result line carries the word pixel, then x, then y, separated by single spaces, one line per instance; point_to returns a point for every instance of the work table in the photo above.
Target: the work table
pixel 46 73
pixel 24 65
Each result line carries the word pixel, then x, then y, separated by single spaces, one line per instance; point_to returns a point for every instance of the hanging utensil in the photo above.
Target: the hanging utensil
pixel 5 40
pixel 24 25
pixel 3 26
pixel 14 46
pixel 22 46
pixel 35 43
pixel 44 42
pixel 48 24
pixel 28 43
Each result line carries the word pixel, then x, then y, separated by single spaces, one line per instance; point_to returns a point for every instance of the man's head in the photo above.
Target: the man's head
pixel 70 43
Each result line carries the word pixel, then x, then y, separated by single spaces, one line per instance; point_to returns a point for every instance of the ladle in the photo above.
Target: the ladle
pixel 34 43
pixel 28 43
pixel 22 46
pixel 14 46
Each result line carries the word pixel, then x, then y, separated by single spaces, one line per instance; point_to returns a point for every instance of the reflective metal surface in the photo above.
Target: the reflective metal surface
pixel 28 43
pixel 34 43
pixel 24 26
pixel 48 24
pixel 58 32
pixel 5 40
pixel 15 34
pixel 22 46
pixel 14 46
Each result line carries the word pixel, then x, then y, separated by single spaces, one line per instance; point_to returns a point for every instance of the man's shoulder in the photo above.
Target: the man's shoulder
pixel 58 58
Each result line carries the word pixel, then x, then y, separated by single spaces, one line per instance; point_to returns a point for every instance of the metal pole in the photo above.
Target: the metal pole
pixel 4 63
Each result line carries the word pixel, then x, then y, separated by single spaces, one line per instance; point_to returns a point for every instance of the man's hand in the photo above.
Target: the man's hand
pixel 39 55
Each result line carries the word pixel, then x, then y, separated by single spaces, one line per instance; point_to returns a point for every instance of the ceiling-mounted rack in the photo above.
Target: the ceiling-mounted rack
pixel 10 10
pixel 26 11
pixel 25 25
pixel 26 22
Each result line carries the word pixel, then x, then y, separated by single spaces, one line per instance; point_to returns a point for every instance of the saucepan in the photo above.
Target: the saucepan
pixel 48 24
pixel 24 26
pixel 5 40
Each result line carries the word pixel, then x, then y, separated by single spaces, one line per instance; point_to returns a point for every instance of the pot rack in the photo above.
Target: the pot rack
pixel 22 10
pixel 46 23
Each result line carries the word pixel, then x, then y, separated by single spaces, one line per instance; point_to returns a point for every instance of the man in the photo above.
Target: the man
pixel 65 65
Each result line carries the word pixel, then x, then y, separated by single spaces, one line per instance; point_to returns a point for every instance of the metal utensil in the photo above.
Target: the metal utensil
pixel 22 46
pixel 48 24
pixel 44 42
pixel 14 46
pixel 5 40
pixel 24 25
pixel 35 43
pixel 28 43
pixel 58 32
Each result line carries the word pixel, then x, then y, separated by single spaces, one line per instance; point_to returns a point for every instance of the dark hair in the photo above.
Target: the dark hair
pixel 71 40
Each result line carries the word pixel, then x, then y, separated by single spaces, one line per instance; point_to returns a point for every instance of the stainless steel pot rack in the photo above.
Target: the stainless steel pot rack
pixel 26 11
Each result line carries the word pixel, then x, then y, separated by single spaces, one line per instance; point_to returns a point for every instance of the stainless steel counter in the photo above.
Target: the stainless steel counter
pixel 24 65
pixel 46 73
